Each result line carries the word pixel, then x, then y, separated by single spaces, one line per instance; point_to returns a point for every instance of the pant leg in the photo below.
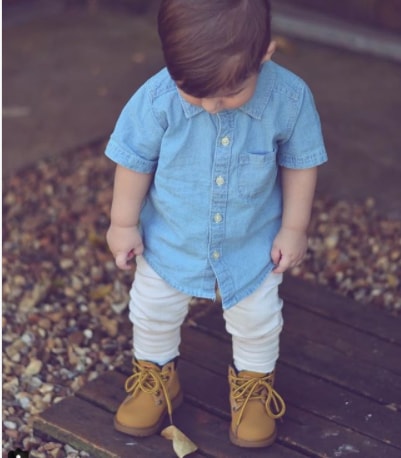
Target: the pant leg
pixel 255 324
pixel 157 312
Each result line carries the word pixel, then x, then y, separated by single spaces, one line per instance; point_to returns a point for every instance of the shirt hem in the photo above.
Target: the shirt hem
pixel 239 297
pixel 188 291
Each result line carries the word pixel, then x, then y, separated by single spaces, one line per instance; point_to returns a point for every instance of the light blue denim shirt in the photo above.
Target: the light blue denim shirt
pixel 215 204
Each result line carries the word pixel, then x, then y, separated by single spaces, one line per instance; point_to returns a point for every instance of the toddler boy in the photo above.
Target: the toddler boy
pixel 217 159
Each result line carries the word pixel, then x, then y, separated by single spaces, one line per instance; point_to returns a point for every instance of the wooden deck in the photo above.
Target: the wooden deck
pixel 339 372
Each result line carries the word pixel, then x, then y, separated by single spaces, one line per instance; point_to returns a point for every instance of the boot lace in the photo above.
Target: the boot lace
pixel 245 390
pixel 151 381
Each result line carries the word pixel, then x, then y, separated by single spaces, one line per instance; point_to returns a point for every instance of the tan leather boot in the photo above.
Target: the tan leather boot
pixel 154 392
pixel 255 406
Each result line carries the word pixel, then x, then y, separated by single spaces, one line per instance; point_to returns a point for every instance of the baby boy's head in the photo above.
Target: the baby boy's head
pixel 213 45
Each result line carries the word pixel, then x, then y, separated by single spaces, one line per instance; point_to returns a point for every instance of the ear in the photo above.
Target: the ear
pixel 271 49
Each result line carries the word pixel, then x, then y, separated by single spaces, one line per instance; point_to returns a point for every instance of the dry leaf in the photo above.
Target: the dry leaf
pixel 182 445
pixel 96 239
pixel 392 406
pixel 101 292
pixel 111 326
pixel 34 367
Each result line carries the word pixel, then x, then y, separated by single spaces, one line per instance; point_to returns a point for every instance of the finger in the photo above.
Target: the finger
pixel 283 265
pixel 139 250
pixel 122 261
pixel 130 255
pixel 276 255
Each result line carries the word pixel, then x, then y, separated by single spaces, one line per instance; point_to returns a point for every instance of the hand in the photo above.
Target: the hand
pixel 125 243
pixel 289 249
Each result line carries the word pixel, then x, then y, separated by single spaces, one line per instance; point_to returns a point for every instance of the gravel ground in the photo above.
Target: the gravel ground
pixel 64 301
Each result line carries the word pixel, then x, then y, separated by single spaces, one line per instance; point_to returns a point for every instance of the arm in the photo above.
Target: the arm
pixel 123 237
pixel 290 244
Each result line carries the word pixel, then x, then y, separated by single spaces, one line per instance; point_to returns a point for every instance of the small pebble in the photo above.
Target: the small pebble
pixel 88 333
pixel 10 425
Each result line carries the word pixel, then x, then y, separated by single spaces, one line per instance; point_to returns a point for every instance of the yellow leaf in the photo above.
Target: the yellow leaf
pixel 96 239
pixel 182 445
pixel 101 291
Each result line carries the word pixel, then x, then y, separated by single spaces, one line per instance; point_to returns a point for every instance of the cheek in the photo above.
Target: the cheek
pixel 248 95
pixel 190 99
pixel 194 101
pixel 231 105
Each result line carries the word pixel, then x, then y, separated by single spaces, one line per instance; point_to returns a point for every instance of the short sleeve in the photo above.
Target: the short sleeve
pixel 304 147
pixel 135 141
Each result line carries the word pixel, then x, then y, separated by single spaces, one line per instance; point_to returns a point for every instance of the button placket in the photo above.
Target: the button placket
pixel 221 165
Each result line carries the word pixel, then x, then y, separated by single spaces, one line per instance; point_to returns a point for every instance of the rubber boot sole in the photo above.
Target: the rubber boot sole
pixel 252 444
pixel 150 430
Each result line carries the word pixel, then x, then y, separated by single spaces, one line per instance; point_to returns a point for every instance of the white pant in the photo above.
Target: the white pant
pixel 157 312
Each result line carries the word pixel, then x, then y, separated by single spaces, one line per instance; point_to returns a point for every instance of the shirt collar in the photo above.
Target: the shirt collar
pixel 256 105
pixel 190 110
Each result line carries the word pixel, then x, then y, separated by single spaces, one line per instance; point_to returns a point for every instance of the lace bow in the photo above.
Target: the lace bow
pixel 258 388
pixel 151 381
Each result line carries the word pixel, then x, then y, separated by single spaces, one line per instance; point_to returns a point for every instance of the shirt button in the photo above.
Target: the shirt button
pixel 218 218
pixel 225 141
pixel 220 181
pixel 216 255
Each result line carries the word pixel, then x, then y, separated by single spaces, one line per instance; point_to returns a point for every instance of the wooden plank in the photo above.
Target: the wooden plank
pixel 351 342
pixel 208 431
pixel 106 391
pixel 323 302
pixel 86 427
pixel 309 433
pixel 306 432
pixel 341 406
pixel 351 374
pixel 333 389
pixel 304 391
pixel 299 425
pixel 323 361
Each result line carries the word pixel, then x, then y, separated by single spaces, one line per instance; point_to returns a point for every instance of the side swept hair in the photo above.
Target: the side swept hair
pixel 213 45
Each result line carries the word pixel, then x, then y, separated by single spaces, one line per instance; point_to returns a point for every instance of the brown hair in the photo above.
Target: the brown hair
pixel 213 45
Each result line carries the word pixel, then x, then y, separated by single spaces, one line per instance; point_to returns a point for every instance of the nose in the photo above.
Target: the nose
pixel 211 105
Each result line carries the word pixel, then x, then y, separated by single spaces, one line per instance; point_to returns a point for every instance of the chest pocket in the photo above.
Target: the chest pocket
pixel 257 173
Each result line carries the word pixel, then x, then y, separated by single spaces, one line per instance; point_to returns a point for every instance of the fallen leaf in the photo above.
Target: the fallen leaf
pixel 100 292
pixel 111 326
pixel 34 367
pixel 182 445
pixel 392 406
pixel 96 239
